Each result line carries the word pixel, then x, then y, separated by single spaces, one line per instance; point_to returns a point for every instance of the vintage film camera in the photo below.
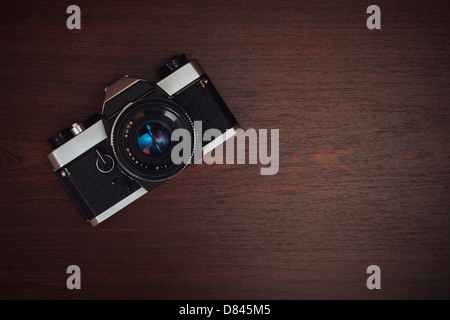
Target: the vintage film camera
pixel 112 159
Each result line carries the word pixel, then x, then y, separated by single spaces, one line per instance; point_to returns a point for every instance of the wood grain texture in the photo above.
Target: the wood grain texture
pixel 364 120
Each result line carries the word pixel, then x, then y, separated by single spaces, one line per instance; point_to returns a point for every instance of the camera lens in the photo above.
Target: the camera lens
pixel 142 138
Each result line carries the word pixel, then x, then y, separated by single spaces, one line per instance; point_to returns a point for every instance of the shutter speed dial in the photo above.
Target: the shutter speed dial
pixel 104 163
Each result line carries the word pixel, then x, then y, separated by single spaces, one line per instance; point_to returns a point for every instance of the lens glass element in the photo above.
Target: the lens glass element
pixel 154 139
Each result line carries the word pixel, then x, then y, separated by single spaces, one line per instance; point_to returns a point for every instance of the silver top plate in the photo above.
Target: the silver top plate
pixel 181 77
pixel 78 145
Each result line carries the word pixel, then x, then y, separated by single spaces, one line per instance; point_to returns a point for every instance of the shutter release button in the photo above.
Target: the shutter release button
pixel 77 128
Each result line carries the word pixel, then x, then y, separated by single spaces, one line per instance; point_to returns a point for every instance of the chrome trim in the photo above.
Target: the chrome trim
pixel 65 173
pixel 118 206
pixel 118 87
pixel 106 156
pixel 79 144
pixel 181 78
pixel 220 139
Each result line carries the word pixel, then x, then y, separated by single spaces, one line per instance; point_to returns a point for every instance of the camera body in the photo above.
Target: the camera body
pixel 111 160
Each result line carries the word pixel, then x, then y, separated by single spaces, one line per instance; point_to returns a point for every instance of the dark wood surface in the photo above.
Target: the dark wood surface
pixel 364 178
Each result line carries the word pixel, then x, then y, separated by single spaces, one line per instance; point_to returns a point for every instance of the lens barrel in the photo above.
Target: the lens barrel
pixel 141 139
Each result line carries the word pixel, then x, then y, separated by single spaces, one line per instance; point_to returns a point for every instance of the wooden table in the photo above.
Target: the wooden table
pixel 364 178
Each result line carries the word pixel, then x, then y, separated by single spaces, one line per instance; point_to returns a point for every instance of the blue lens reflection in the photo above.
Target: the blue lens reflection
pixel 154 139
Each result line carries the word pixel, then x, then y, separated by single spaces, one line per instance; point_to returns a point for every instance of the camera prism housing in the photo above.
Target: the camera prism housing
pixel 112 159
